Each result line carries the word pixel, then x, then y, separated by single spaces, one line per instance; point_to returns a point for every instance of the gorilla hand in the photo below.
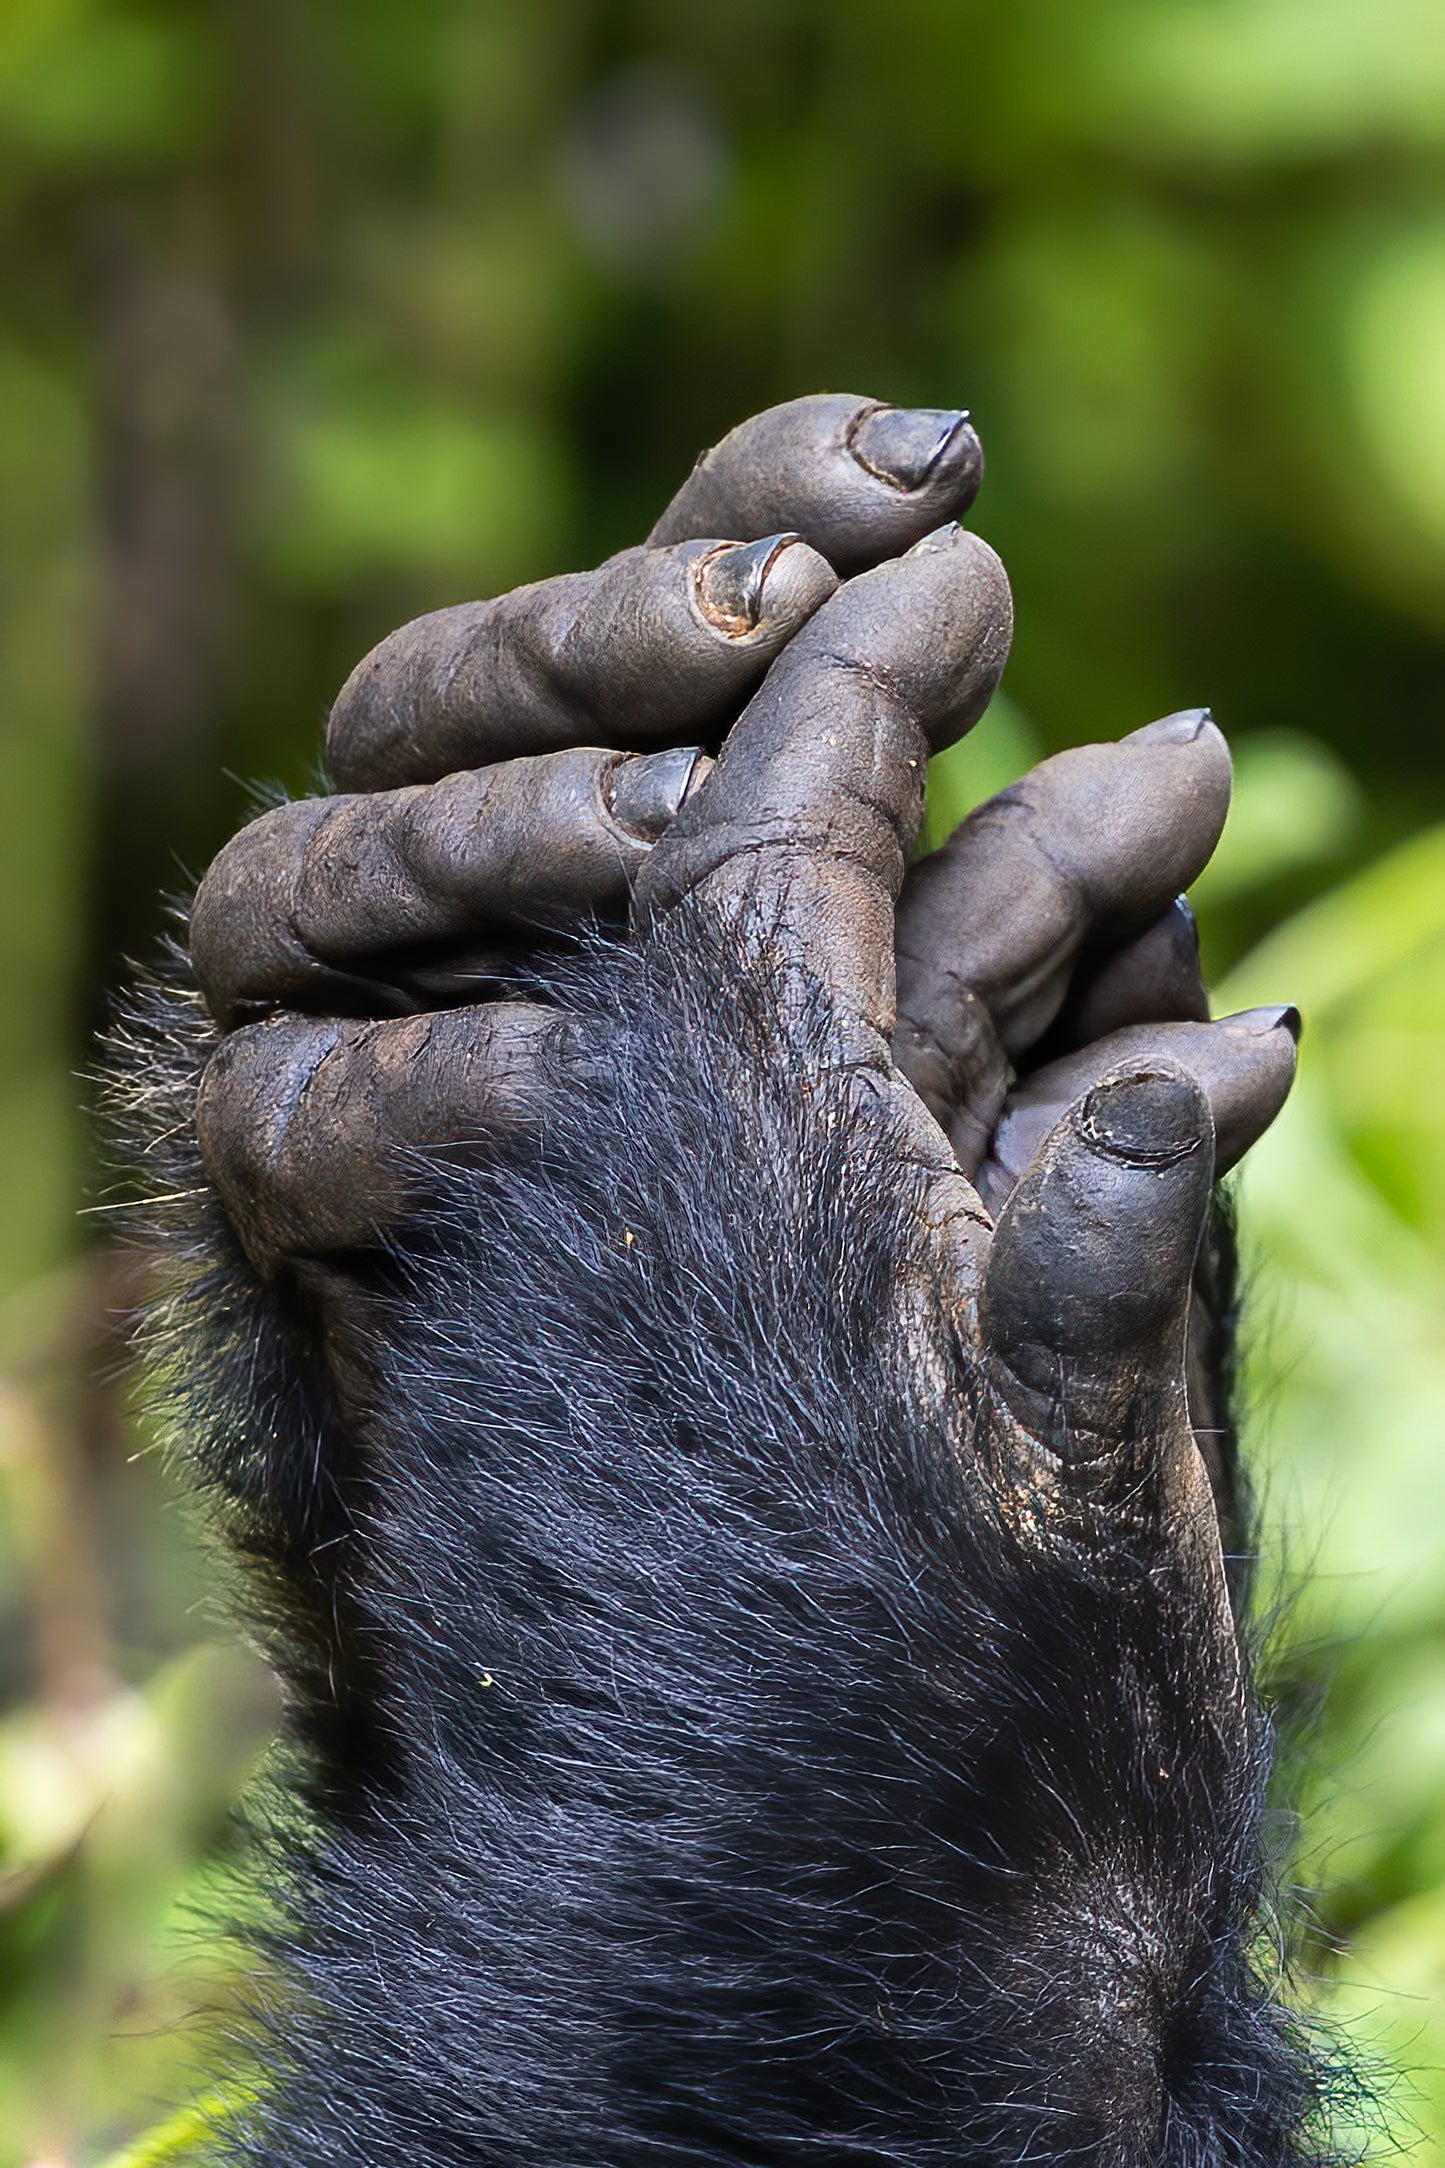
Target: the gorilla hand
pixel 333 937
pixel 1048 917
pixel 815 1718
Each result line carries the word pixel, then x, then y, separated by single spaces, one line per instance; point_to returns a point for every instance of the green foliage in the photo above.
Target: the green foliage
pixel 1345 1203
pixel 321 312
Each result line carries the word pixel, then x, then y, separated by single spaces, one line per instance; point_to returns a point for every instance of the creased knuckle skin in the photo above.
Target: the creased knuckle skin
pixel 253 1137
pixel 627 653
pixel 245 948
pixel 312 1130
pixel 303 1125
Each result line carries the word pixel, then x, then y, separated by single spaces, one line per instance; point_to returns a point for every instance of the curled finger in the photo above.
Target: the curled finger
pixel 316 903
pixel 654 644
pixel 311 1130
pixel 1155 978
pixel 1087 850
pixel 811 813
pixel 858 479
pixel 1243 1064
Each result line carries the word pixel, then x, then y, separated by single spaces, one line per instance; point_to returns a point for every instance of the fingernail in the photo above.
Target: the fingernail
pixel 740 584
pixel 1181 728
pixel 908 446
pixel 1263 1021
pixel 643 791
pixel 1151 1119
pixel 1187 924
pixel 942 538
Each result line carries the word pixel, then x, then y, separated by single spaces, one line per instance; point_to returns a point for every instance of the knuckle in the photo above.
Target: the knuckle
pixel 243 908
pixel 258 1146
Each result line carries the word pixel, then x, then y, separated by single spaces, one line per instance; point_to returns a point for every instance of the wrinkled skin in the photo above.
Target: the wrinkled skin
pixel 472 821
pixel 341 943
pixel 852 1515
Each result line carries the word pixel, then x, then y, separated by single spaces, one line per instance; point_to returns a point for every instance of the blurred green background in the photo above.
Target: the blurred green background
pixel 321 312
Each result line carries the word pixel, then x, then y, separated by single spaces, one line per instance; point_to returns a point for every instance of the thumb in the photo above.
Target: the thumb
pixel 1085 1300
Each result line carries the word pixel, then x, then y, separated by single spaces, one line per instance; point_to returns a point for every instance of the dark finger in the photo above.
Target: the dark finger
pixel 810 815
pixel 1243 1064
pixel 304 907
pixel 1090 846
pixel 655 644
pixel 859 480
pixel 1085 1299
pixel 1154 979
pixel 308 1129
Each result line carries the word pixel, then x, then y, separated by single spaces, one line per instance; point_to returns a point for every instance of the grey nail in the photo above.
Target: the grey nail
pixel 644 790
pixel 732 583
pixel 1263 1021
pixel 908 446
pixel 1150 1119
pixel 942 538
pixel 1181 728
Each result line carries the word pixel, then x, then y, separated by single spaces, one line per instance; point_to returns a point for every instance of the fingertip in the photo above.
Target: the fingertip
pixel 916 448
pixel 644 791
pixel 937 540
pixel 742 588
pixel 860 479
pixel 1132 823
pixel 1252 1061
pixel 1195 733
pixel 1282 1016
pixel 797 581
pixel 1146 1117
pixel 1142 1119
pixel 936 624
pixel 1186 726
pixel 750 590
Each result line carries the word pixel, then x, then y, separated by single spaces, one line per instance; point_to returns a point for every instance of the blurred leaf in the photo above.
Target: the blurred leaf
pixel 1336 950
pixel 1002 746
pixel 106 84
pixel 1268 79
pixel 1396 365
pixel 375 476
pixel 1295 803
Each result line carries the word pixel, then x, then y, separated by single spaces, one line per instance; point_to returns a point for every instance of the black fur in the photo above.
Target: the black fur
pixel 704 1770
